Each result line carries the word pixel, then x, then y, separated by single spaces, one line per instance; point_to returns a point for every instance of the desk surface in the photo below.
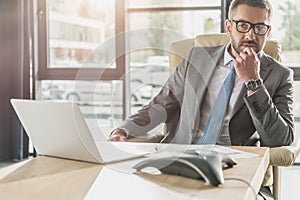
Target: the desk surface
pixel 54 178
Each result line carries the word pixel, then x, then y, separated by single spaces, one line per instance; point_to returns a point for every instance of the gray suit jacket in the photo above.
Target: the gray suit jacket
pixel 268 112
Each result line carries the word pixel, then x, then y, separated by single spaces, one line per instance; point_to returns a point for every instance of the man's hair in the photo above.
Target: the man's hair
pixel 253 3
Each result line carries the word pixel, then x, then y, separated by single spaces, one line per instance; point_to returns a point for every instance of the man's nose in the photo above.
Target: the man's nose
pixel 250 35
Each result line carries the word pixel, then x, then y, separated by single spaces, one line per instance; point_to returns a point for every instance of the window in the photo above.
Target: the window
pixel 80 57
pixel 80 40
pixel 111 56
pixel 286 30
pixel 172 3
pixel 152 26
pixel 85 46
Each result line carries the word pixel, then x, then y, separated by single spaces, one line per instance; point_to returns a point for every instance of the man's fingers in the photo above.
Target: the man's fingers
pixel 117 138
pixel 238 58
pixel 248 51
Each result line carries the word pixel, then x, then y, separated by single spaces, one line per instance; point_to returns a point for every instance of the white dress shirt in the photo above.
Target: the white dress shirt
pixel 218 77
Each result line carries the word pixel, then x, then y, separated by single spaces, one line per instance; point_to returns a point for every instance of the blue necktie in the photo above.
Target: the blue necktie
pixel 215 122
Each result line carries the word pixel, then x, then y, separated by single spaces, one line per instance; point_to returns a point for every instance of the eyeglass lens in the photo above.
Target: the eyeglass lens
pixel 245 27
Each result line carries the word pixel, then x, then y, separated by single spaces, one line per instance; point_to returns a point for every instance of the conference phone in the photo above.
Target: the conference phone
pixel 207 166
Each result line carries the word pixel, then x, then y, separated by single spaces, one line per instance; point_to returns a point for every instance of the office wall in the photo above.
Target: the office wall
pixel 13 79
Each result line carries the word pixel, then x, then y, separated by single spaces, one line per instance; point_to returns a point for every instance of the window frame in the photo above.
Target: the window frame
pixel 44 72
pixel 222 8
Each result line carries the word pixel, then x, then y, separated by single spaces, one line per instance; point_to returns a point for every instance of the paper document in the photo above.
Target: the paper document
pixel 227 151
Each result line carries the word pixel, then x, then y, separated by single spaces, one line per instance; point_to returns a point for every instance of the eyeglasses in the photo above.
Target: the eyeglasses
pixel 245 27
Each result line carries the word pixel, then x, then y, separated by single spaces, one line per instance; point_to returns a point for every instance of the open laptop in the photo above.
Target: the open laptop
pixel 58 129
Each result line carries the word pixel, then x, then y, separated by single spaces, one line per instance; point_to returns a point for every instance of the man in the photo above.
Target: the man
pixel 261 100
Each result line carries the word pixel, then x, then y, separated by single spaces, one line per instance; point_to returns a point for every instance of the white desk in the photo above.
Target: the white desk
pixel 54 178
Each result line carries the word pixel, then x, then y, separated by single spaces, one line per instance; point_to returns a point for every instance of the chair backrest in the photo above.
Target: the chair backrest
pixel 178 50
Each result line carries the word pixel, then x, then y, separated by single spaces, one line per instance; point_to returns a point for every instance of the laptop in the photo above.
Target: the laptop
pixel 58 129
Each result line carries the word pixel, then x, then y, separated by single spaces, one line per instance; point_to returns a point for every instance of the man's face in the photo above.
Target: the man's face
pixel 240 41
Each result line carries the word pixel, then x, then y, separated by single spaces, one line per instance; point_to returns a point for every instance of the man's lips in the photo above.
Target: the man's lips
pixel 249 44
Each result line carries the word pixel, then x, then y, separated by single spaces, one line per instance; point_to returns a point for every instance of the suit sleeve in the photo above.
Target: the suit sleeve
pixel 272 116
pixel 162 107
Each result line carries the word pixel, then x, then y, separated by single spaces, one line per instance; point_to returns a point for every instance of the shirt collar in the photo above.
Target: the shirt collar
pixel 227 56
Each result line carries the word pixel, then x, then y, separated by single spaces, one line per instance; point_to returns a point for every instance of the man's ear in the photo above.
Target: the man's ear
pixel 228 27
pixel 269 31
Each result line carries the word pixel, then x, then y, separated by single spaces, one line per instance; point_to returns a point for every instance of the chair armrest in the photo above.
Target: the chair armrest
pixel 285 155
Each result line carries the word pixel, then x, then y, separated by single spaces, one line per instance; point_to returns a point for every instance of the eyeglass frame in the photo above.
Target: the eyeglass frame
pixel 252 26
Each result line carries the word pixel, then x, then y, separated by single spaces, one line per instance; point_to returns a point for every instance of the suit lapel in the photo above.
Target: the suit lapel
pixel 206 68
pixel 212 63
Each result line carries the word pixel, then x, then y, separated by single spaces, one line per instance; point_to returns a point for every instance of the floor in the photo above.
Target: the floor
pixel 4 164
pixel 290 183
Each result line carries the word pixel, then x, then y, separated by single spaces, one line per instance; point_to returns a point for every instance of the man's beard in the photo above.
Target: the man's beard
pixel 236 46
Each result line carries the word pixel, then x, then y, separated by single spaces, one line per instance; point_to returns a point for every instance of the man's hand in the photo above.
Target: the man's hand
pixel 118 135
pixel 247 65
